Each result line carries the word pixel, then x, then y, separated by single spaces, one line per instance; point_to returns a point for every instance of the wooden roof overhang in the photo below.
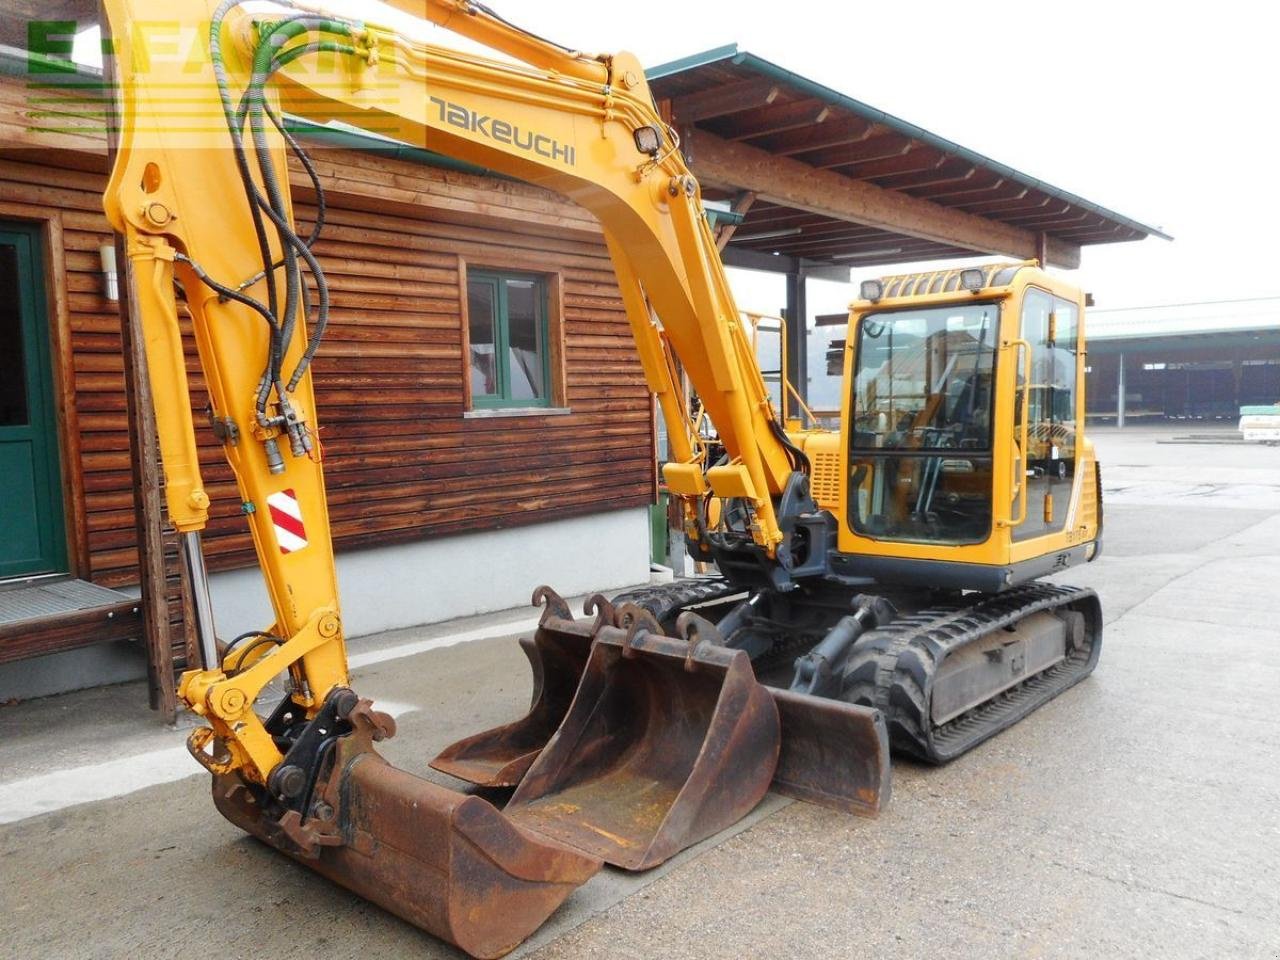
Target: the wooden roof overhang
pixel 822 178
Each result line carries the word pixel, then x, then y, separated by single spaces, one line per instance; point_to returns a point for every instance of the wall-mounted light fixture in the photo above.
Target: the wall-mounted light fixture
pixel 110 276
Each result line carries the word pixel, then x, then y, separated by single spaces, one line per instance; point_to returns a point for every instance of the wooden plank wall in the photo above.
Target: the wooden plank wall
pixel 403 462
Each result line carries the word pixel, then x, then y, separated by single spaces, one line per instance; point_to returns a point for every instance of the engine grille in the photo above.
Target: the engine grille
pixel 824 479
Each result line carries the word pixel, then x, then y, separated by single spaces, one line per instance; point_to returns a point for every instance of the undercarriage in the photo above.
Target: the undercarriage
pixel 948 669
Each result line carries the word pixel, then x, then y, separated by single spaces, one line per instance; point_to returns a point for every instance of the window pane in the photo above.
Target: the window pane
pixel 924 378
pixel 1052 380
pixel 13 373
pixel 1064 380
pixel 482 312
pixel 942 498
pixel 524 316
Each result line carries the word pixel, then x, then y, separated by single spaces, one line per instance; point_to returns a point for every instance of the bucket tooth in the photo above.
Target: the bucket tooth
pixel 447 862
pixel 667 742
pixel 557 654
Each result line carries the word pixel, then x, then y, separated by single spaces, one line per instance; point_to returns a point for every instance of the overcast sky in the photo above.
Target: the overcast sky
pixel 1163 112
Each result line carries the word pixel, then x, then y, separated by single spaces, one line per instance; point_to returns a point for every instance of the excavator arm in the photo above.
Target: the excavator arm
pixel 673 738
pixel 198 137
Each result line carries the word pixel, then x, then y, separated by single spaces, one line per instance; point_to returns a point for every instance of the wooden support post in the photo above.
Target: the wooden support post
pixel 148 516
pixel 144 463
pixel 741 204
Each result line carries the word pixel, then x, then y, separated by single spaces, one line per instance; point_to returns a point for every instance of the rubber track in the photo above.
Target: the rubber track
pixel 666 600
pixel 892 668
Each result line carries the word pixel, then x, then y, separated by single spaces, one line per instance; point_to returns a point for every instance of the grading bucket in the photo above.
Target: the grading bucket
pixel 834 754
pixel 444 861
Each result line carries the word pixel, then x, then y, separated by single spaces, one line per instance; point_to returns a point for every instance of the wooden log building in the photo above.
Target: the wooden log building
pixel 512 434
pixel 441 452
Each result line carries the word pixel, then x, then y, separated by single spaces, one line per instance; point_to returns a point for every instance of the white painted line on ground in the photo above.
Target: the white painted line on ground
pixel 94 782
pixel 506 628
pixel 90 783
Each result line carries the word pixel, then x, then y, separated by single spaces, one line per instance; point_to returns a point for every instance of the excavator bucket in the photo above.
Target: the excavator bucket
pixel 444 861
pixel 831 753
pixel 834 754
pixel 557 655
pixel 667 742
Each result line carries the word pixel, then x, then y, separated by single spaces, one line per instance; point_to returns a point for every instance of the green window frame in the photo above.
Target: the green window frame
pixel 491 338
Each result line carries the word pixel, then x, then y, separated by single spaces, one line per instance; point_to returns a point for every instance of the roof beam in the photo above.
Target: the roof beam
pixel 881 147
pixel 800 115
pixel 722 101
pixel 913 161
pixel 980 182
pixel 833 133
pixel 788 182
pixel 954 170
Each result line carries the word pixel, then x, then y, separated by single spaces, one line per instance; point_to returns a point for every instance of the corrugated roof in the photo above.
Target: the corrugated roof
pixel 812 123
pixel 1185 319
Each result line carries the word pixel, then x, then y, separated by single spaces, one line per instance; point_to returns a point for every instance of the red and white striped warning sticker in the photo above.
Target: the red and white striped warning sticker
pixel 286 517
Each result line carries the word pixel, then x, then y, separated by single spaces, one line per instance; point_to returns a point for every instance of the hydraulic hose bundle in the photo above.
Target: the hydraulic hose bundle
pixel 270 212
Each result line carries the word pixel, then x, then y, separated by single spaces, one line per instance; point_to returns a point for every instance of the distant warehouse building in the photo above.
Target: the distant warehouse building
pixel 1186 361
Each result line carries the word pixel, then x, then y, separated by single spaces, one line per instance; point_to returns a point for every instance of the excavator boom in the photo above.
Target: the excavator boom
pixel 200 193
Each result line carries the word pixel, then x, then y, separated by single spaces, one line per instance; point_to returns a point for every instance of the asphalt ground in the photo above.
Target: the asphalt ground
pixel 1137 815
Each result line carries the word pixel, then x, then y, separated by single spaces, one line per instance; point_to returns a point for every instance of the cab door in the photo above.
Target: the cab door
pixel 1050 325
pixel 32 537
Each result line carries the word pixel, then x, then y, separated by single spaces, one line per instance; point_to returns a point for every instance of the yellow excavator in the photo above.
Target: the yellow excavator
pixel 878 584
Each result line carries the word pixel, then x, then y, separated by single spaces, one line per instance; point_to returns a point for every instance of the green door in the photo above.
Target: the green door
pixel 32 537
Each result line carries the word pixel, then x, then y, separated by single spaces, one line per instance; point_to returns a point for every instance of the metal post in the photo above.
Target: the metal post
pixel 797 316
pixel 206 637
pixel 1120 396
pixel 677 550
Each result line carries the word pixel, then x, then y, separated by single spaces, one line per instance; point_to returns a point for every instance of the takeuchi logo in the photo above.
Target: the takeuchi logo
pixel 501 131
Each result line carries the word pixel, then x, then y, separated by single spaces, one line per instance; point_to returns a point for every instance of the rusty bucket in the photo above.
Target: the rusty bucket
pixel 444 861
pixel 667 742
pixel 557 654
pixel 834 754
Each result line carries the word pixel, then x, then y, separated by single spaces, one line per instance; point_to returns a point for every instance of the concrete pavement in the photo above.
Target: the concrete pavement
pixel 1138 815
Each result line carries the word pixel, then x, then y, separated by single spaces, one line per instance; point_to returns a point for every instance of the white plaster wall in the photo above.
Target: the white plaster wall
pixel 404 585
pixel 401 585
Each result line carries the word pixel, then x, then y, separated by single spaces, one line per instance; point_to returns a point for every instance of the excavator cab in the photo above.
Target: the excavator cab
pixel 964 463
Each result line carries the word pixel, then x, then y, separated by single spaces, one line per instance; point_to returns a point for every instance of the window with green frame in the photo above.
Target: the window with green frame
pixel 507 325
